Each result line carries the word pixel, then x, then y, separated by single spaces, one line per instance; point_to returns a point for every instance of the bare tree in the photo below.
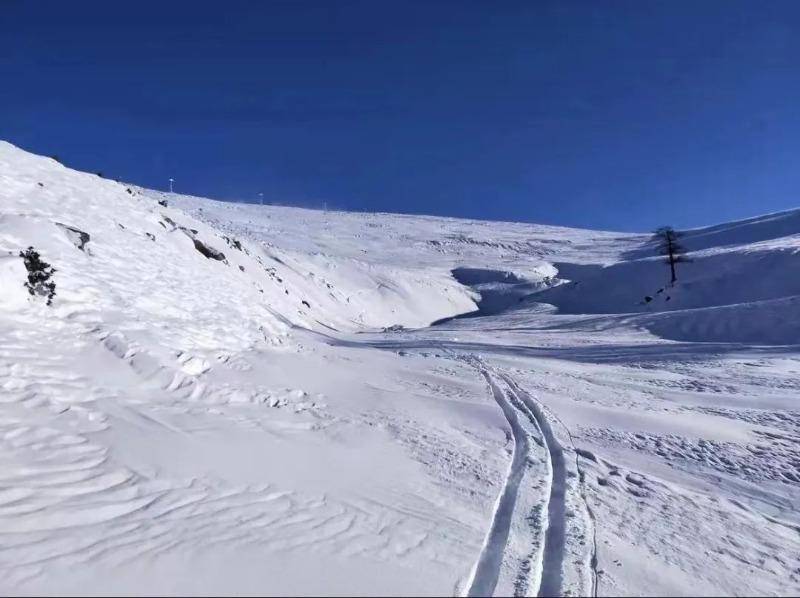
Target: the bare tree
pixel 669 245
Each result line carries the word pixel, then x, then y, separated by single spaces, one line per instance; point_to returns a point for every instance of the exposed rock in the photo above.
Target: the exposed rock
pixel 77 236
pixel 209 252
pixel 394 328
pixel 233 243
pixel 191 232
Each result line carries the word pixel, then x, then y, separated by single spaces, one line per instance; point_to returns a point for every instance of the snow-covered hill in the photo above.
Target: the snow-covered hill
pixel 241 399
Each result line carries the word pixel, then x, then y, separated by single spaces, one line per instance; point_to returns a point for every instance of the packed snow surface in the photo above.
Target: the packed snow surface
pixel 243 399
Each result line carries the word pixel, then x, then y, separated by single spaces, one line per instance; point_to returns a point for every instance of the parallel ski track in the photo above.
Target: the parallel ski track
pixel 487 569
pixel 555 534
pixel 486 572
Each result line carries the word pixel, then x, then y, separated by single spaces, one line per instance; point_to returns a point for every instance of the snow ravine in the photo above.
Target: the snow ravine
pixel 236 399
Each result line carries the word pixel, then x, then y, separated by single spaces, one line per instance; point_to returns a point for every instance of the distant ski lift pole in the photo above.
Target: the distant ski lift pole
pixel 170 184
pixel 261 199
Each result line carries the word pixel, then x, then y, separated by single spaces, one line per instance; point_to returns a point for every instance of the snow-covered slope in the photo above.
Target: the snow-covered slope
pixel 238 399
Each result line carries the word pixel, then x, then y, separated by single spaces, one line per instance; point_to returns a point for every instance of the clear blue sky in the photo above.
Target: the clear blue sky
pixel 603 114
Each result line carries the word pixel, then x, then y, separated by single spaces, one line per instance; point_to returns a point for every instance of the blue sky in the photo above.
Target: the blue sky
pixel 603 114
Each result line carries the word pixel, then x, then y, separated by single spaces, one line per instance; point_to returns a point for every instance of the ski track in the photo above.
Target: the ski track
pixel 487 569
pixel 555 534
pixel 486 573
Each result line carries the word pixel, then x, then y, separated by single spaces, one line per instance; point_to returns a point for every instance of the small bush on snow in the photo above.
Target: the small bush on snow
pixel 39 274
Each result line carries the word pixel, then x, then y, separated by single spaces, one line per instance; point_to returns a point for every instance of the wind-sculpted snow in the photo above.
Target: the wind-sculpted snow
pixel 240 399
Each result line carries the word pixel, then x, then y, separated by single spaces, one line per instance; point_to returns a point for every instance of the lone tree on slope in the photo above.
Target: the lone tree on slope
pixel 669 245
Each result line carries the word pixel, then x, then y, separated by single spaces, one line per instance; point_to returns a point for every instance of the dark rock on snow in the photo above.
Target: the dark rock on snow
pixel 208 251
pixel 77 236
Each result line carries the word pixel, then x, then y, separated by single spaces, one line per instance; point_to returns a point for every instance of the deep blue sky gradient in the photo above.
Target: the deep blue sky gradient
pixel 603 114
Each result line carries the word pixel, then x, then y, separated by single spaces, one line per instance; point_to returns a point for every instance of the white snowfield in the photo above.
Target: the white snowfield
pixel 236 399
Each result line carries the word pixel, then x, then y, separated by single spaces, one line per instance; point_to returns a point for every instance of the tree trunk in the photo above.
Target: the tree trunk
pixel 672 269
pixel 671 251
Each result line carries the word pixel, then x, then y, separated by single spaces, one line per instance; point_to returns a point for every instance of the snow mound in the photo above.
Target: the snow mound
pixel 748 272
pixel 122 260
pixel 124 255
pixel 772 322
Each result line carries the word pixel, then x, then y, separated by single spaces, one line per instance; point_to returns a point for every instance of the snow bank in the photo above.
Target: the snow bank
pixel 748 272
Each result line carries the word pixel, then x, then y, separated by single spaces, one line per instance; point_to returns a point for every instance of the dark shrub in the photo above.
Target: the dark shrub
pixel 39 274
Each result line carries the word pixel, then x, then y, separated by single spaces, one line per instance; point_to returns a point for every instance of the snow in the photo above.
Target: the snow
pixel 243 399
